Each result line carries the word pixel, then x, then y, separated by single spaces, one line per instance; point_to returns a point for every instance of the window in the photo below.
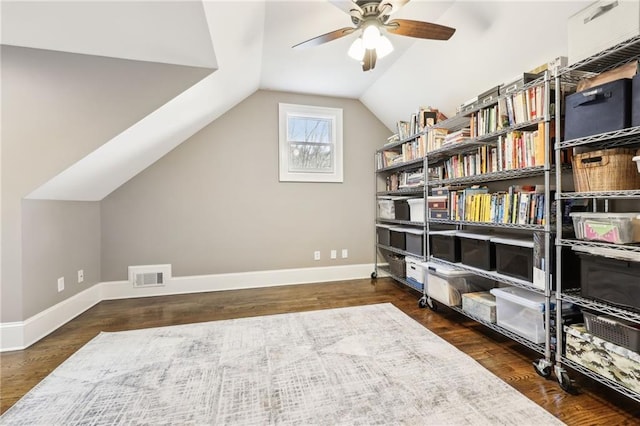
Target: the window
pixel 310 143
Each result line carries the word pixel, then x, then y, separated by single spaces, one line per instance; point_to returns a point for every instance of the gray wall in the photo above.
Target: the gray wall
pixel 214 204
pixel 56 108
pixel 58 239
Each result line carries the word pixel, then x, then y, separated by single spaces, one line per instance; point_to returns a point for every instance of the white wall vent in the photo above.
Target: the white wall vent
pixel 149 275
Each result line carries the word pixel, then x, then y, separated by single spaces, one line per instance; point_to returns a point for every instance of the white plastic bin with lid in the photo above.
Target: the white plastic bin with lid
pixel 618 228
pixel 446 284
pixel 520 311
pixel 416 209
pixel 600 25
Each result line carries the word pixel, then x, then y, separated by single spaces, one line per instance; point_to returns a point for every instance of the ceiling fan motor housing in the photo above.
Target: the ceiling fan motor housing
pixel 370 11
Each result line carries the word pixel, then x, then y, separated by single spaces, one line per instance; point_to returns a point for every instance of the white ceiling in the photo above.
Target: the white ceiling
pixel 247 45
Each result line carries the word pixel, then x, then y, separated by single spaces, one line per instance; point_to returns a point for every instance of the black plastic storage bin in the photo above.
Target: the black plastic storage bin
pixel 414 239
pixel 401 207
pixel 398 238
pixel 514 257
pixel 384 234
pixel 610 280
pixel 445 245
pixel 602 108
pixel 477 250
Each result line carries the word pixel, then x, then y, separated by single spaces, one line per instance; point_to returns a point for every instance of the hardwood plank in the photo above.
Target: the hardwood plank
pixel 596 404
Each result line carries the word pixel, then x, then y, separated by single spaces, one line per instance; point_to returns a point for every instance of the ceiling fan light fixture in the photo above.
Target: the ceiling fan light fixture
pixel 356 51
pixel 371 36
pixel 384 47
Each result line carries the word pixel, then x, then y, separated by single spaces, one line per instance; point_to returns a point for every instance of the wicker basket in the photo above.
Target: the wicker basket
pixel 605 170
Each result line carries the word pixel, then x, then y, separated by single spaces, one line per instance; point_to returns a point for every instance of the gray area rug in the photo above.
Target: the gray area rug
pixel 359 365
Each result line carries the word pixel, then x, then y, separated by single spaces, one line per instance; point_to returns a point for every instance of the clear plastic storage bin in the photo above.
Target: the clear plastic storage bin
pixel 520 311
pixel 618 228
pixel 386 208
pixel 446 284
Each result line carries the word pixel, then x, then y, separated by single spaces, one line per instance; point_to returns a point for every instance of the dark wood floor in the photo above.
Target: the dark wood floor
pixel 595 405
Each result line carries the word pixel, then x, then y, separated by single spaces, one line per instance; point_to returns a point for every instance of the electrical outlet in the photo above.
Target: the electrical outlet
pixel 345 253
pixel 80 276
pixel 316 255
pixel 60 284
pixel 334 254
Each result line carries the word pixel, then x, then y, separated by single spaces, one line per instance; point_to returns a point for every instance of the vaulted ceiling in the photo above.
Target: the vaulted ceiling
pixel 247 46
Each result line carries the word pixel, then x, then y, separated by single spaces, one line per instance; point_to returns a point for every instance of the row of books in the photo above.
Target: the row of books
pixel 514 150
pixel 483 160
pixel 422 119
pixel 436 138
pixel 457 136
pixel 388 159
pixel 485 121
pixel 408 151
pixel 522 205
pixel 401 180
pixel 520 107
pixel 414 149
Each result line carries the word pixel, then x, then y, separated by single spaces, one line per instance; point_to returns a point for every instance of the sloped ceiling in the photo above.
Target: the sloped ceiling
pixel 247 46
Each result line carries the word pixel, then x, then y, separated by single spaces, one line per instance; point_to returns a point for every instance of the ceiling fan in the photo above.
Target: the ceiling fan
pixel 372 17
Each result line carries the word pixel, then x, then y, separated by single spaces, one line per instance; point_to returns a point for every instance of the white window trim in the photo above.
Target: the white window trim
pixel 335 115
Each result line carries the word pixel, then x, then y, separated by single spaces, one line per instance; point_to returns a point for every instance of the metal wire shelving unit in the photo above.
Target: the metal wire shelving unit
pixel 407 191
pixel 435 157
pixel 606 60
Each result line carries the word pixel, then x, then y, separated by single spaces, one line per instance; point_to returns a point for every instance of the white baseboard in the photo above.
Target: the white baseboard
pixel 20 335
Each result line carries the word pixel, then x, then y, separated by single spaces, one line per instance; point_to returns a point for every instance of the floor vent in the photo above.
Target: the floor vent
pixel 149 275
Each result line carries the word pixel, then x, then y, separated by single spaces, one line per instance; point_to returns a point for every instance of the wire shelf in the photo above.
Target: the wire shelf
pixel 454 123
pixel 419 189
pixel 401 142
pixel 401 222
pixel 490 224
pixel 634 193
pixel 407 164
pixel 574 297
pixel 397 251
pixel 490 177
pixel 536 347
pixel 418 287
pixel 629 248
pixel 492 275
pixel 607 59
pixel 601 379
pixel 617 138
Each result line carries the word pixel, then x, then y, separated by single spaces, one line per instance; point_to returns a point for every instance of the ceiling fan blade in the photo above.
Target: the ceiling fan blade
pixel 333 35
pixel 419 29
pixel 391 5
pixel 348 6
pixel 369 62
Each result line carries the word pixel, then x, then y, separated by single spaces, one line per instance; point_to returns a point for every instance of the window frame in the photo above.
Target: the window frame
pixel 335 116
